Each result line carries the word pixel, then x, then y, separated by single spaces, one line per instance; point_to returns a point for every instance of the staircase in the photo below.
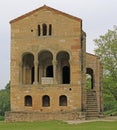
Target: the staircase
pixel 92 109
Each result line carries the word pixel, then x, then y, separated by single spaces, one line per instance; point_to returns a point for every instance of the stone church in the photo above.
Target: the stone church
pixel 49 69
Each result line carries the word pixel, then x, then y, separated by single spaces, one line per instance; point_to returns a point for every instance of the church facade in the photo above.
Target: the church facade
pixel 49 68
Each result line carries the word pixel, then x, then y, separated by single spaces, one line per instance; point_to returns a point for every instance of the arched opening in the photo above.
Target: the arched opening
pixel 89 79
pixel 63 67
pixel 46 101
pixel 44 26
pixel 45 65
pixel 49 71
pixel 28 100
pixel 66 75
pixel 63 100
pixel 28 69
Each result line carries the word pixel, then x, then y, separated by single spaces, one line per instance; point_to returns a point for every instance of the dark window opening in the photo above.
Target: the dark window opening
pixel 49 71
pixel 32 75
pixel 46 101
pixel 63 100
pixel 44 29
pixel 50 29
pixel 39 30
pixel 28 101
pixel 66 75
pixel 89 78
pixel 38 74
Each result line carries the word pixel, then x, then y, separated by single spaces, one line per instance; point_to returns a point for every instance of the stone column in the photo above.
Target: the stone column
pixel 24 74
pixel 55 71
pixel 36 73
pixel 20 73
pixel 70 75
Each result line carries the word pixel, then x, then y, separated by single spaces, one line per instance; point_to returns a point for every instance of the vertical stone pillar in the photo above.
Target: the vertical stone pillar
pixel 20 73
pixel 55 71
pixel 70 71
pixel 36 72
pixel 40 73
pixel 24 75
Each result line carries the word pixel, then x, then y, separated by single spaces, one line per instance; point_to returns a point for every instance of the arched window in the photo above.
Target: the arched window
pixel 44 29
pixel 44 26
pixel 28 100
pixel 46 101
pixel 63 100
pixel 89 78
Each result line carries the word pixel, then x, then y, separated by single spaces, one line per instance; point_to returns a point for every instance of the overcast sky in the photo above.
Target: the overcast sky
pixel 98 16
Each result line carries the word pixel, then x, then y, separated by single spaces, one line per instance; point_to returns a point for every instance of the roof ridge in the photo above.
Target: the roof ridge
pixel 42 7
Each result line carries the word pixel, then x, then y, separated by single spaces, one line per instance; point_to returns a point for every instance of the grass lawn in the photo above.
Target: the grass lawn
pixel 58 125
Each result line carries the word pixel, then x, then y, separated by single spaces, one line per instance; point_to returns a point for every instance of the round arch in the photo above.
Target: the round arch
pixel 27 68
pixel 45 68
pixel 63 100
pixel 45 101
pixel 28 100
pixel 63 65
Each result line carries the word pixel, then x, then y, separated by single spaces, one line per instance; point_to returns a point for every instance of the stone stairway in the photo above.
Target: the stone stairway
pixel 92 109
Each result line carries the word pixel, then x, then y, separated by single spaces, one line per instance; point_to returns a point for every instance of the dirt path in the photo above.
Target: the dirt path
pixel 111 118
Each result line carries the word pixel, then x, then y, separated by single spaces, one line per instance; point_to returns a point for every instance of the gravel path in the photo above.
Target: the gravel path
pixel 111 118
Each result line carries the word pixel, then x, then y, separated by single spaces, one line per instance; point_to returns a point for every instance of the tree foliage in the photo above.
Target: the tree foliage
pixel 5 100
pixel 107 51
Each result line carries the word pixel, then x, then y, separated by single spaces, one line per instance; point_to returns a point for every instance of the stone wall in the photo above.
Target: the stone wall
pixel 40 116
pixel 65 47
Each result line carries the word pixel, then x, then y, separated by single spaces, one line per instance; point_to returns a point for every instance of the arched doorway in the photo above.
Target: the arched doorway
pixel 89 78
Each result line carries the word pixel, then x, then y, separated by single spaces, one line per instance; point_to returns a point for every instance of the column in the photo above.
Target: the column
pixel 55 71
pixel 20 73
pixel 36 73
pixel 70 71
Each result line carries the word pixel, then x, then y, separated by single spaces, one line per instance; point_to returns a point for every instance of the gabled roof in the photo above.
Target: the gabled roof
pixel 48 8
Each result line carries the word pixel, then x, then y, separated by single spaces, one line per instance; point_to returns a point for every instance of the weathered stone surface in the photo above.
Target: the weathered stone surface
pixel 47 44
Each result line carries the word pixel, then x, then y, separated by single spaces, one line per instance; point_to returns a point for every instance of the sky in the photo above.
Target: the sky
pixel 97 15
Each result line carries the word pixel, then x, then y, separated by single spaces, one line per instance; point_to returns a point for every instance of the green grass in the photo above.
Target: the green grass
pixel 58 125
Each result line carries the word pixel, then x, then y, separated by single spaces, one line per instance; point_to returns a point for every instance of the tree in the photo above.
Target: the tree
pixel 5 99
pixel 107 51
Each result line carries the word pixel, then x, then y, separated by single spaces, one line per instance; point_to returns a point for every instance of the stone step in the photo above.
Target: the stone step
pixel 94 107
pixel 91 102
pixel 92 111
